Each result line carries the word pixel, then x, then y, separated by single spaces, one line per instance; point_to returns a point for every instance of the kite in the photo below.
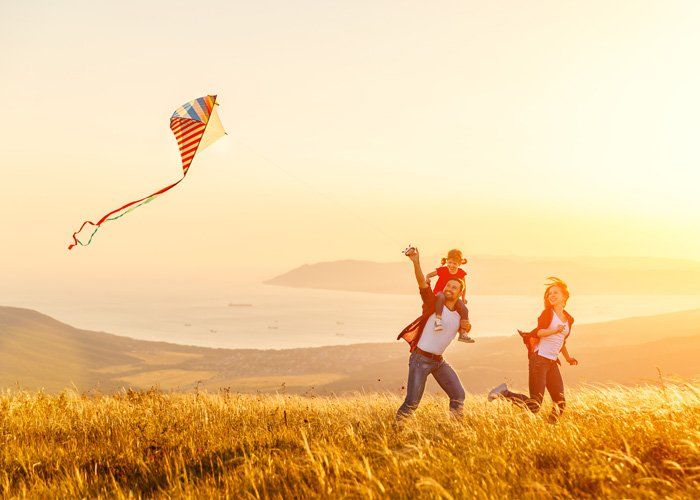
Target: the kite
pixel 196 126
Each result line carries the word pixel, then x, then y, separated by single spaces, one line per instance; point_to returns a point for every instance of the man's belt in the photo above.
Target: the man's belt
pixel 429 355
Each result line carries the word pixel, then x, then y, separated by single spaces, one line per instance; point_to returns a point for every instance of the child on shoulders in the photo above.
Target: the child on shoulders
pixel 449 270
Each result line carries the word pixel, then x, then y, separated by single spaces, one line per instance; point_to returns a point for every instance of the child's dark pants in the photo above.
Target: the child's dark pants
pixel 460 307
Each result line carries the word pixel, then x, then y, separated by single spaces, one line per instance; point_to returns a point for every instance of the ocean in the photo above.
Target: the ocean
pixel 272 317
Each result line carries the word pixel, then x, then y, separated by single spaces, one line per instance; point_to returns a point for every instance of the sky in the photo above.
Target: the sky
pixel 547 128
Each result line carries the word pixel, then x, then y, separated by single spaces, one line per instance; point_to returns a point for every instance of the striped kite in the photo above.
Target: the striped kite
pixel 196 125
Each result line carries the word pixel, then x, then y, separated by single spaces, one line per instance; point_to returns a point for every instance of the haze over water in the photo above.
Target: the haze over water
pixel 545 127
pixel 280 317
pixel 501 128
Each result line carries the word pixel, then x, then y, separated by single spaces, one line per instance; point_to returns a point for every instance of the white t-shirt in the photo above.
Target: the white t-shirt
pixel 549 347
pixel 436 342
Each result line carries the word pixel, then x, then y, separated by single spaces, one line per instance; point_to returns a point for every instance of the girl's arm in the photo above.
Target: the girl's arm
pixel 430 275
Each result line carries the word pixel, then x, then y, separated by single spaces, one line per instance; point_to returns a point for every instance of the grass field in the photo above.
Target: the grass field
pixel 612 442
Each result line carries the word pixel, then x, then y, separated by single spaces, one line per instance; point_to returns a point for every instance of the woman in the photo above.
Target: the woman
pixel 544 344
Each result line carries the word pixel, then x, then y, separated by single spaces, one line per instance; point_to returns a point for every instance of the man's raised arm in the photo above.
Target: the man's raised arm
pixel 420 277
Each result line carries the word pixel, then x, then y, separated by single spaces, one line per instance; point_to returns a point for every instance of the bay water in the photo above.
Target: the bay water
pixel 269 317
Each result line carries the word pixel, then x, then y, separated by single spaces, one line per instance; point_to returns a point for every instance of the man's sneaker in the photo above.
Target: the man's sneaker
pixel 438 324
pixel 497 391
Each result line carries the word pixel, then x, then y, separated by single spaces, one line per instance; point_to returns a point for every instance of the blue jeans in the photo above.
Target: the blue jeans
pixel 419 367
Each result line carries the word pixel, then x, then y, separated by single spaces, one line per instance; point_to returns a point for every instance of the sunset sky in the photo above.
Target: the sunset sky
pixel 543 128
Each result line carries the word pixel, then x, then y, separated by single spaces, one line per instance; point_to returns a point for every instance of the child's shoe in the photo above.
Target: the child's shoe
pixel 464 337
pixel 464 329
pixel 438 324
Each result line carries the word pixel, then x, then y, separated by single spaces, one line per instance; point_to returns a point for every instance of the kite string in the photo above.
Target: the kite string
pixel 315 191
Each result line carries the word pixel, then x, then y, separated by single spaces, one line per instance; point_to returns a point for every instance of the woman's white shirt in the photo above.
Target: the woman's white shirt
pixel 550 346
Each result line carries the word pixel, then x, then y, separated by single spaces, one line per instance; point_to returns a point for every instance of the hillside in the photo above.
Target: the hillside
pixel 37 351
pixel 490 275
pixel 610 443
pixel 625 351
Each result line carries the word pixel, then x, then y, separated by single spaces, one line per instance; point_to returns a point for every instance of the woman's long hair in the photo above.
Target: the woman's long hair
pixel 454 254
pixel 551 283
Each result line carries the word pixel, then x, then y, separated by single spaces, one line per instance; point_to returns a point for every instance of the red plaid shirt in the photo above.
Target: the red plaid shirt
pixel 414 330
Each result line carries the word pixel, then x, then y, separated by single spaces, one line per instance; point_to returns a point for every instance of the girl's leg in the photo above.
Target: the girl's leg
pixel 464 326
pixel 555 388
pixel 462 310
pixel 439 306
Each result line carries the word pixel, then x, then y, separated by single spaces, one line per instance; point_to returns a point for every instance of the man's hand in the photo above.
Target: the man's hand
pixel 413 254
pixel 572 361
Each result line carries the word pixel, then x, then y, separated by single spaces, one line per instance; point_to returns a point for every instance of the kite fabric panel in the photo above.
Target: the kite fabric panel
pixel 196 125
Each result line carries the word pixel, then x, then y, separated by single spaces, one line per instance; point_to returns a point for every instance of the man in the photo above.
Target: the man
pixel 427 345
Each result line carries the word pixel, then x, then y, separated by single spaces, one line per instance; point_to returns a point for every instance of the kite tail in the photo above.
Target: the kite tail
pixel 125 209
pixel 75 235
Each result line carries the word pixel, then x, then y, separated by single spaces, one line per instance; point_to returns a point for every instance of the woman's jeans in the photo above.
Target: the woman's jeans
pixel 543 374
pixel 419 367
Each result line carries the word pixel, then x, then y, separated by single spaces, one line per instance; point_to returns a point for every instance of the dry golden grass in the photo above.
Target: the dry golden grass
pixel 274 383
pixel 614 442
pixel 168 379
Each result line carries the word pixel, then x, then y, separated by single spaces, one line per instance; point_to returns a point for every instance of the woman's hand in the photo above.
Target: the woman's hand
pixel 572 361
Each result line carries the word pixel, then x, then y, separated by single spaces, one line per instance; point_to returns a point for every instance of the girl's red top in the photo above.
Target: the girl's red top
pixel 444 275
